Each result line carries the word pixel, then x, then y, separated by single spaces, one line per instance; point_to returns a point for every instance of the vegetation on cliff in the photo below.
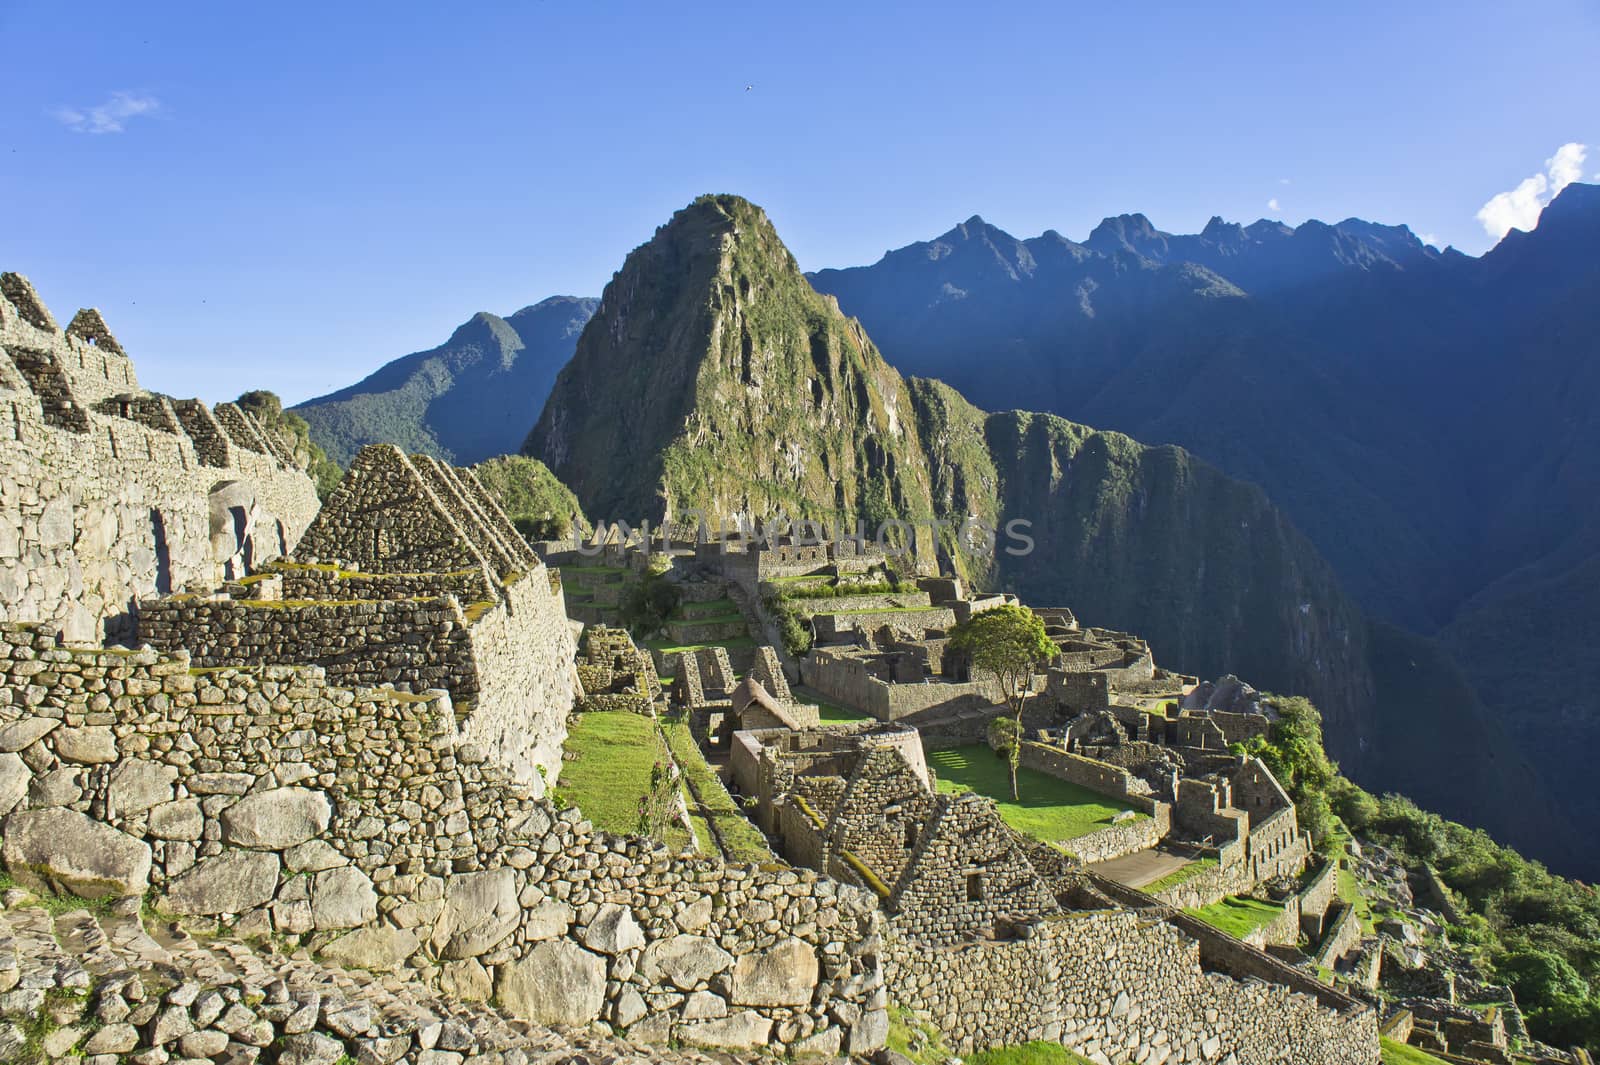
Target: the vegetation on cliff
pixel 1537 932
pixel 295 434
pixel 467 399
pixel 541 507
pixel 713 377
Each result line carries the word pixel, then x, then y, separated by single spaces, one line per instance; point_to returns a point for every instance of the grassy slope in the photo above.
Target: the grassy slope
pixel 1238 916
pixel 530 494
pixel 830 713
pixel 1038 1053
pixel 1050 810
pixel 742 841
pixel 611 757
pixel 1401 1054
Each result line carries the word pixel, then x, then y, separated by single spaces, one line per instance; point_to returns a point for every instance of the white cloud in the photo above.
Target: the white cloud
pixel 1519 208
pixel 1272 204
pixel 109 117
pixel 1430 239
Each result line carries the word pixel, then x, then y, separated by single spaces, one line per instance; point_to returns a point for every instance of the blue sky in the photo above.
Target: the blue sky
pixel 287 196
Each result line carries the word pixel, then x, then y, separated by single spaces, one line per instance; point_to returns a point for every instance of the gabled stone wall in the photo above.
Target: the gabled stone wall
pixel 107 510
pixel 506 662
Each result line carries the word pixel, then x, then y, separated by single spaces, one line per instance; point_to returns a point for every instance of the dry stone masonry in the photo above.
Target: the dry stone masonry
pixel 360 825
pixel 112 494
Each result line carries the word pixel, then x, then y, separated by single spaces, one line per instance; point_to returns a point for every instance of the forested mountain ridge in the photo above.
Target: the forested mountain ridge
pixel 714 377
pixel 1425 417
pixel 469 399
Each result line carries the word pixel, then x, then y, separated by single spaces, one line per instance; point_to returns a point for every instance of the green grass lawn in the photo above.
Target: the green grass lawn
pixel 742 839
pixel 1237 916
pixel 1180 876
pixel 711 608
pixel 829 713
pixel 1050 810
pixel 1027 1054
pixel 1349 888
pixel 1401 1054
pixel 667 647
pixel 614 752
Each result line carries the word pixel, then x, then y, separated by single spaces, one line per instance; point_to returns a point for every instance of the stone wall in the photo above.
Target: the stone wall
pixel 507 664
pixel 1127 837
pixel 415 644
pixel 1090 773
pixel 1121 985
pixel 360 826
pixel 100 511
pixel 834 628
pixel 329 581
pixel 845 678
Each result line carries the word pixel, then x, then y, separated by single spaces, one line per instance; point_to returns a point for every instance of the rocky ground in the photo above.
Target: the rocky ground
pixel 95 986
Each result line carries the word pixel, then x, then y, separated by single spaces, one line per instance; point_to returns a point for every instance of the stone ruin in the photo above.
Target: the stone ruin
pixel 615 674
pixel 328 762
pixel 113 494
pixel 410 575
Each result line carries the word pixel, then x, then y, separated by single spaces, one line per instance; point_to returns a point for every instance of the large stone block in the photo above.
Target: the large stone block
pixel 742 1031
pixel 784 974
pixel 62 850
pixel 557 982
pixel 14 780
pixel 25 733
pixel 480 910
pixel 181 819
pixel 89 745
pixel 231 882
pixel 342 898
pixel 613 930
pixel 378 948
pixel 686 961
pixel 276 819
pixel 137 785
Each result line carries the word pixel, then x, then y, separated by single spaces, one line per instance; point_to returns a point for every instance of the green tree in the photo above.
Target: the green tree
pixel 1010 643
pixel 1294 753
pixel 1005 738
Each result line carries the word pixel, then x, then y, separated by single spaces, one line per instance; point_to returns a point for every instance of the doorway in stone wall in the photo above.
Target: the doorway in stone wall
pixel 158 535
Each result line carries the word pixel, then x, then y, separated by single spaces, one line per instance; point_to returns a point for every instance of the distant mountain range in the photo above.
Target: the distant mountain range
pixel 1425 418
pixel 469 399
pixel 748 392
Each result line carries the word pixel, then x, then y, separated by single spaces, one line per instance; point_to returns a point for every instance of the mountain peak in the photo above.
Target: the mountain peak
pixel 746 391
pixel 1126 233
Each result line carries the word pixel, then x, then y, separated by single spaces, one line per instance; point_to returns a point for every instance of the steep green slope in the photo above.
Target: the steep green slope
pixel 714 377
pixel 1155 541
pixel 540 506
pixel 471 397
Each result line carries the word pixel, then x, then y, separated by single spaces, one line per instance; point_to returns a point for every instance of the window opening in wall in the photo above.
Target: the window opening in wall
pixel 974 887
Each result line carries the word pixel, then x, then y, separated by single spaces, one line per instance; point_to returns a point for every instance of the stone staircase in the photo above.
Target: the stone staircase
pixel 95 987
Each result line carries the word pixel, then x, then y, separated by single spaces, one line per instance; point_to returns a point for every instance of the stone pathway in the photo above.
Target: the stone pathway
pixel 1137 870
pixel 96 983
